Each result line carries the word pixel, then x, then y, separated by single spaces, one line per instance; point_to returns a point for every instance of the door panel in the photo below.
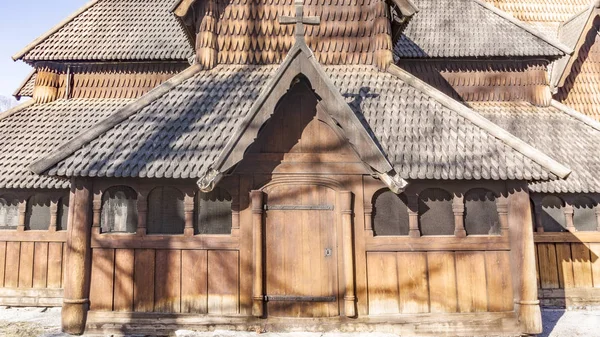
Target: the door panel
pixel 301 276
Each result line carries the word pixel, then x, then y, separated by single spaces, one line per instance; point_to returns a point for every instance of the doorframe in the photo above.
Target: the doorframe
pixel 344 212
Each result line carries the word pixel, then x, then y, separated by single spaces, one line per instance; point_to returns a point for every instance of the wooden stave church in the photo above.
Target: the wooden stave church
pixel 113 93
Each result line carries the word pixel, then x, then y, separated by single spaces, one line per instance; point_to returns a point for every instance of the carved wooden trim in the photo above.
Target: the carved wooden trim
pixel 53 215
pixel 598 218
pixel 32 236
pixel 413 216
pixel 188 209
pixel 569 217
pixel 458 208
pixel 97 212
pixel 576 237
pixel 257 199
pixel 22 215
pixel 502 207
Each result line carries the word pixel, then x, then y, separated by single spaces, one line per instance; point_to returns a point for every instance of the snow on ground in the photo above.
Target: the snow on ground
pixel 42 322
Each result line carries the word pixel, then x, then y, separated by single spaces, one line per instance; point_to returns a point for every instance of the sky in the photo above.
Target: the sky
pixel 21 22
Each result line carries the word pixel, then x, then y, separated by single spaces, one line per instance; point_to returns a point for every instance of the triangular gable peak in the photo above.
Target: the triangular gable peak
pixel 573 33
pixel 301 62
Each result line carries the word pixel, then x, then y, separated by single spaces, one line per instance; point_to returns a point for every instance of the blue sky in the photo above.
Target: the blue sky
pixel 21 22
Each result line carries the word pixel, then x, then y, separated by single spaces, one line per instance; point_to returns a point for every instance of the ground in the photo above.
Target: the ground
pixel 38 322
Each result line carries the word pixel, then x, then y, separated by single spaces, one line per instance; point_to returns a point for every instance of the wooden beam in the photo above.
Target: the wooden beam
pixel 523 258
pixel 78 266
pixel 257 198
pixel 349 294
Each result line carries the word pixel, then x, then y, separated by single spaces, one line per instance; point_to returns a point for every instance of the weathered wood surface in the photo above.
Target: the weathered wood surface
pixel 297 263
pixel 167 281
pixel 438 282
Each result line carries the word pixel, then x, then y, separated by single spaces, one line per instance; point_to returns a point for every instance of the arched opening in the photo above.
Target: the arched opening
pixel 166 213
pixel 213 212
pixel 553 214
pixel 584 214
pixel 119 210
pixel 390 213
pixel 435 212
pixel 481 213
pixel 9 212
pixel 37 215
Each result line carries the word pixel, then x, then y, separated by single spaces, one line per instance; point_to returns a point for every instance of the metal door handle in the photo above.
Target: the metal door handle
pixel 328 252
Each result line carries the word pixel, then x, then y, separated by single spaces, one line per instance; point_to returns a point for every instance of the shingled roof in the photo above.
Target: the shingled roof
pixel 114 30
pixel 544 15
pixel 180 134
pixel 29 131
pixel 558 131
pixel 470 28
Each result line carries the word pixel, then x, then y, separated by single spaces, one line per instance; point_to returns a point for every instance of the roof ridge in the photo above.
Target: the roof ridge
pixel 553 42
pixel 509 139
pixel 576 114
pixel 16 109
pixel 86 136
pixel 53 30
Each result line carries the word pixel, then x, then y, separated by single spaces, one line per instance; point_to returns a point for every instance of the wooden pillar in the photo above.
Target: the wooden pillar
pixel 598 217
pixel 188 209
pixel 349 293
pixel 413 216
pixel 97 213
pixel 569 218
pixel 458 207
pixel 368 209
pixel 77 272
pixel 258 295
pixel 539 226
pixel 142 205
pixel 53 215
pixel 523 258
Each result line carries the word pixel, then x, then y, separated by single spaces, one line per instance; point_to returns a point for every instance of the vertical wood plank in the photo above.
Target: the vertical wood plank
pixel 442 282
pixel 101 287
pixel 26 265
pixel 167 284
pixel 565 265
pixel 582 267
pixel 223 282
pixel 13 253
pixel 64 265
pixel 412 280
pixel 595 255
pixel 471 281
pixel 382 278
pixel 2 262
pixel 245 245
pixel 55 263
pixel 499 283
pixel 40 265
pixel 143 288
pixel 124 266
pixel 194 281
pixel 548 267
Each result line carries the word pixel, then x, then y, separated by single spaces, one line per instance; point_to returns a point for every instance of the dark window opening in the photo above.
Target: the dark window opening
pixel 37 216
pixel 435 212
pixel 119 210
pixel 390 214
pixel 213 212
pixel 481 213
pixel 553 214
pixel 165 211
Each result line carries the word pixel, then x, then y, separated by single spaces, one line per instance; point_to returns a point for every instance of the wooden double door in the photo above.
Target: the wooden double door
pixel 301 252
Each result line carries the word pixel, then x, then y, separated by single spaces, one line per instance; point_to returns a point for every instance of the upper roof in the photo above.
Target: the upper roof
pixel 114 30
pixel 471 28
pixel 25 89
pixel 179 134
pixel 29 131
pixel 545 15
pixel 560 132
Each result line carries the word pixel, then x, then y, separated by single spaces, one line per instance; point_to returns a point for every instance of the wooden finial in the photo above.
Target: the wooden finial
pixel 299 20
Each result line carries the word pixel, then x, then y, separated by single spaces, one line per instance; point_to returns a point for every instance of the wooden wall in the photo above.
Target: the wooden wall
pixel 438 282
pixel 31 273
pixel 165 280
pixel 568 268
